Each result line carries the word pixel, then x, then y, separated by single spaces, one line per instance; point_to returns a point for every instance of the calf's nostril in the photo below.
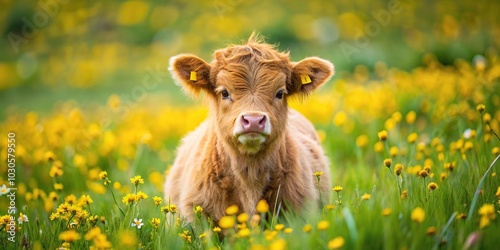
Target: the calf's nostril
pixel 253 123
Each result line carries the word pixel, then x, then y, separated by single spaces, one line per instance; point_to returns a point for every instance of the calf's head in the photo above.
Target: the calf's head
pixel 247 87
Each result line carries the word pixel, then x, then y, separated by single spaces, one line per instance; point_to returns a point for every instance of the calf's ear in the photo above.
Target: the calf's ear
pixel 191 72
pixel 309 74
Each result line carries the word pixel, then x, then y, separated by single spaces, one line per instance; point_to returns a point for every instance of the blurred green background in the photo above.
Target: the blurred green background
pixel 53 51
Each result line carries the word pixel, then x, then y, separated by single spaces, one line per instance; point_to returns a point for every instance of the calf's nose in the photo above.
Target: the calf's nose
pixel 253 123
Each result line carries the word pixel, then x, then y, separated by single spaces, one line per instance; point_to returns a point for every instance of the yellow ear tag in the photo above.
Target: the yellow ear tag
pixel 305 79
pixel 192 77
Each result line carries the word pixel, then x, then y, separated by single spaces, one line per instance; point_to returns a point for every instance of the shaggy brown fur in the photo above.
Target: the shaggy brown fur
pixel 214 168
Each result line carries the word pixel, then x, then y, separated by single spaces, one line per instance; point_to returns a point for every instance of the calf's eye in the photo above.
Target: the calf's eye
pixel 225 94
pixel 280 94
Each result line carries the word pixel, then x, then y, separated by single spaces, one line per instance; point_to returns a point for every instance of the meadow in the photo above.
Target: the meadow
pixel 90 121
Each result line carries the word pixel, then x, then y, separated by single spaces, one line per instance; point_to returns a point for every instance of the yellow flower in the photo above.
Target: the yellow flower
pixel 495 151
pixel 393 151
pixel 498 192
pixel 323 225
pixel 69 236
pixel 398 169
pixel 382 135
pixel 388 162
pixel 232 210
pixel 431 231
pixel 243 233
pixel 423 174
pixel 412 138
pixel 288 230
pixel 58 186
pixel 488 211
pixel 85 200
pixel 432 186
pixel 279 227
pixel 141 196
pixel 366 197
pixel 262 206
pixel 217 229
pixel 226 222
pixel 329 207
pixel 337 188
pixel 386 212
pixel 172 208
pixel 278 244
pixel 411 117
pixel 418 215
pixel 404 194
pixel 318 174
pixel 480 108
pixel 129 198
pixel 198 210
pixel 336 243
pixel 136 180
pixel 242 218
pixel 378 147
pixel 158 200
pixel 155 222
pixel 362 141
pixel 307 228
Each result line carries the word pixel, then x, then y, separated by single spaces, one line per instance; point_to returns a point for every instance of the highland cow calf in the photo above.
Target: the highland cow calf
pixel 252 146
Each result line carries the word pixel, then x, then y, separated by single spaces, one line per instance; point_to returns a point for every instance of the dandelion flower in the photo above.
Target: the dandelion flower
pixel 262 206
pixel 141 196
pixel 323 225
pixel 242 218
pixel 137 223
pixel 480 108
pixel 388 162
pixel 366 197
pixel 279 227
pixel 398 169
pixel 136 180
pixel 336 243
pixel 337 188
pixel 198 210
pixel 158 200
pixel 488 211
pixel 386 212
pixel 432 186
pixel 318 174
pixel 155 222
pixel 244 233
pixel 216 229
pixel 362 141
pixel 172 208
pixel 495 151
pixel 393 151
pixel 232 210
pixel 288 230
pixel 411 117
pixel 498 192
pixel 404 194
pixel 129 198
pixel 382 135
pixel 423 174
pixel 69 236
pixel 418 215
pixel 412 138
pixel 58 186
pixel 226 222
pixel 307 228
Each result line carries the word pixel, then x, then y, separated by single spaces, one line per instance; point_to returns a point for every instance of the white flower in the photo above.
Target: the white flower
pixel 22 218
pixel 137 223
pixel 467 133
pixel 4 189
